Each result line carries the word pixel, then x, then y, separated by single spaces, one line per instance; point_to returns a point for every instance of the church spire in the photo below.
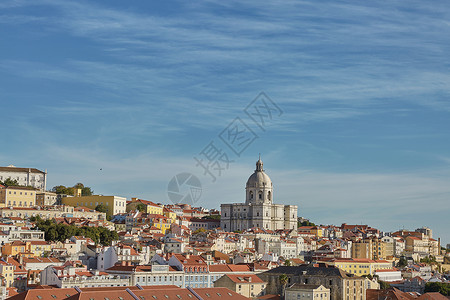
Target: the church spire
pixel 259 165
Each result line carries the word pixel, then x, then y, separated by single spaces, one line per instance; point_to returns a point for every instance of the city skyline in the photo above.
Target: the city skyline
pixel 123 96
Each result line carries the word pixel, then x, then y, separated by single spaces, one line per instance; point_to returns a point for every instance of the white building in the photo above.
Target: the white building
pixel 69 277
pixel 307 292
pixel 389 275
pixel 25 176
pixel 258 209
pixel 24 235
pixel 46 198
pixel 284 248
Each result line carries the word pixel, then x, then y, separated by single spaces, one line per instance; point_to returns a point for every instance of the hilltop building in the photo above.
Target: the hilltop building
pixel 258 209
pixel 25 176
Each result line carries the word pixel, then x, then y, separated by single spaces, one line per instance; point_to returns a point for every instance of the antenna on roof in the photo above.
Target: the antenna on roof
pixel 132 294
pixel 194 292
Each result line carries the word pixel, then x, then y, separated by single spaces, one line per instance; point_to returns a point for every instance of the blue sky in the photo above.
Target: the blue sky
pixel 139 88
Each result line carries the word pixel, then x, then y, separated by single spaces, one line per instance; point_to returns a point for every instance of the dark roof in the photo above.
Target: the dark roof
pixel 19 187
pixel 302 286
pixel 16 169
pixel 311 270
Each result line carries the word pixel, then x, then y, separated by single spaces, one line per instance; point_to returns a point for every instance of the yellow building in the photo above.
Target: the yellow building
pixel 422 245
pixel 248 285
pixel 2 195
pixel 315 230
pixel 38 248
pixel 46 198
pixel 162 223
pixel 17 196
pixel 7 274
pixel 114 204
pixel 378 249
pixel 360 266
pixel 307 292
pixel 150 207
pixel 370 248
pixel 14 248
pixel 362 249
pixel 169 214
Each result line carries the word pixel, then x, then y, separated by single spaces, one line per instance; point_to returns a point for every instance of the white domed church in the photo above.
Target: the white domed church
pixel 258 209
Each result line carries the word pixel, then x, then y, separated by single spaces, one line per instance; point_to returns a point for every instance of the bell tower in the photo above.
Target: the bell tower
pixel 259 188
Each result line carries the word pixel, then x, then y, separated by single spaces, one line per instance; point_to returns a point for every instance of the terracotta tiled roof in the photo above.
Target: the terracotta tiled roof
pixel 18 169
pixel 239 268
pixel 129 293
pixel 49 260
pixel 245 278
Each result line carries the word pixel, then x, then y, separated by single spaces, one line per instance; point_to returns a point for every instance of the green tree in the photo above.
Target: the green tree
pixel 305 223
pixel 199 230
pixel 85 190
pixel 101 208
pixel 440 287
pixel 61 189
pixel 61 232
pixel 428 260
pixel 9 182
pixel 287 262
pixel 141 207
pixel 212 217
pixel 284 279
pixel 402 262
pixel 384 285
pixel 51 234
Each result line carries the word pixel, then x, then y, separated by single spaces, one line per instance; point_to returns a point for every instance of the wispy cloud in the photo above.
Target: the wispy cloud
pixel 136 91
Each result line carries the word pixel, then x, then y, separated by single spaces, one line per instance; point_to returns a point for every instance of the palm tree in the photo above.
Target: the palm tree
pixel 283 282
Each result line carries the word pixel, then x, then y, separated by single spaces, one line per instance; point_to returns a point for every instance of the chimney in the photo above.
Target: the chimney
pixel 124 263
pixel 188 256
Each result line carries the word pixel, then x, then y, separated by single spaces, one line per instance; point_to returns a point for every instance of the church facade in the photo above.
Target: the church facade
pixel 258 209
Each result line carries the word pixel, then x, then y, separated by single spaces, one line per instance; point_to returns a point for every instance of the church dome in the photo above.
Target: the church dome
pixel 259 178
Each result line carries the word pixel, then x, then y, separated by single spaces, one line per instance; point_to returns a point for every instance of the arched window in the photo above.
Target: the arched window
pixel 251 195
pixel 260 195
pixel 269 195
